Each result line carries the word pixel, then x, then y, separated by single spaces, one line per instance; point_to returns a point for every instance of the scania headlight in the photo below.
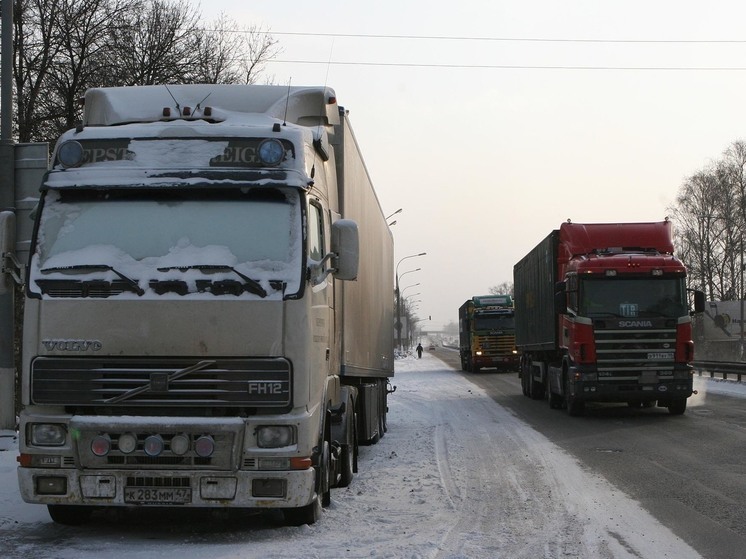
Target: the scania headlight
pixel 274 436
pixel 48 434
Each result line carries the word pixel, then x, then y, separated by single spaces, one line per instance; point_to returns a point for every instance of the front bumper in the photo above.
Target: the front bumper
pixel 245 489
pixel 628 391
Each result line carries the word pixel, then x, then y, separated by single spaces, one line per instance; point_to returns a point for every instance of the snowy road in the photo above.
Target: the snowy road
pixel 456 476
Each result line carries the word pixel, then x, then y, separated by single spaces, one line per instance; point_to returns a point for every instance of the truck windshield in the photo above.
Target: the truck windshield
pixel 163 237
pixel 649 297
pixel 494 322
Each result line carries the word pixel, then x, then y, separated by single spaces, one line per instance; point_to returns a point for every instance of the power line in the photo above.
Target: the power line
pixel 519 66
pixel 501 39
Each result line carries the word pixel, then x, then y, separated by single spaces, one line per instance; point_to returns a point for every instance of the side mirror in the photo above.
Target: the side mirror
pixel 7 242
pixel 346 245
pixel 699 301
pixel 560 297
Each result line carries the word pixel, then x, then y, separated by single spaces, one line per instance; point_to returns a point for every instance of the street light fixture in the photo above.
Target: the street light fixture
pixel 393 214
pixel 398 295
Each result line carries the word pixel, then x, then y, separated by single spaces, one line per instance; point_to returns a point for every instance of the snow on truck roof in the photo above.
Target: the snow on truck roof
pixel 306 106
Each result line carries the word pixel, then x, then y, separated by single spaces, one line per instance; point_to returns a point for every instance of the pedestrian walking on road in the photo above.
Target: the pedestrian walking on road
pixel 419 351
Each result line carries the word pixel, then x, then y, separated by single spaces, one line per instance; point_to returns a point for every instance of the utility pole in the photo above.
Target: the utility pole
pixel 7 202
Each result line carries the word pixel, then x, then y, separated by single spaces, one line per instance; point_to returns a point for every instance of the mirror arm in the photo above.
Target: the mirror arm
pixel 317 279
pixel 12 267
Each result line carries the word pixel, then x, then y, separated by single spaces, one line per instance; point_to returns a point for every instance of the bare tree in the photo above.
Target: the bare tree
pixel 63 47
pixel 710 214
pixel 35 47
pixel 505 288
pixel 258 48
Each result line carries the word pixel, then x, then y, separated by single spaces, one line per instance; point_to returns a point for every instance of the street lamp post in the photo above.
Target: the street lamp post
pixel 398 298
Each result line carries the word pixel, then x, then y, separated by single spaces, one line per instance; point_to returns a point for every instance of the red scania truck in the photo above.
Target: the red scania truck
pixel 602 315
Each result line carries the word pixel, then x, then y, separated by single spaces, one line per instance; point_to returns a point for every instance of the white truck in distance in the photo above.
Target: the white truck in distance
pixel 209 305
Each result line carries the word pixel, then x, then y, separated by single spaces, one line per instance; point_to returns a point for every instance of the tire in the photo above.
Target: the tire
pixel 69 515
pixel 553 399
pixel 325 472
pixel 347 457
pixel 677 407
pixel 382 409
pixel 574 407
pixel 308 514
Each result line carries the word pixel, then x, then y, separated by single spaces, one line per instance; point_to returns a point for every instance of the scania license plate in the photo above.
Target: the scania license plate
pixel 157 495
pixel 660 355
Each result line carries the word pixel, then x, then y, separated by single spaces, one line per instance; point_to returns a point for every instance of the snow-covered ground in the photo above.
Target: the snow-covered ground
pixel 456 476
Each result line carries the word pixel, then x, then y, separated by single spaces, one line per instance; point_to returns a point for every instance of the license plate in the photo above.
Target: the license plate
pixel 158 495
pixel 660 355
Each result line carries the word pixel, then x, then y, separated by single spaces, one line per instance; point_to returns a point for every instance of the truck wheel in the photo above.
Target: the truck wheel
pixel 324 472
pixel 303 515
pixel 69 515
pixel 347 456
pixel 554 399
pixel 574 407
pixel 677 407
pixel 382 426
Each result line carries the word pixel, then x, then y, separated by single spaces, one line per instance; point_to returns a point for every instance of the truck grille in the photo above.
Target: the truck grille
pixel 497 345
pixel 627 353
pixel 157 383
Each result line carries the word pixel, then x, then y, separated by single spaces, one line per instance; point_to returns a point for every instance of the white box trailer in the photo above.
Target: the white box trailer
pixel 209 305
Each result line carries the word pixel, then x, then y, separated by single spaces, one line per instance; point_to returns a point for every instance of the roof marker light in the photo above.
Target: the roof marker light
pixel 167 112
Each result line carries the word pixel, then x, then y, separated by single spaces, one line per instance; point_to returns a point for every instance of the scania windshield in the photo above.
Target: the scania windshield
pixel 638 297
pixel 220 242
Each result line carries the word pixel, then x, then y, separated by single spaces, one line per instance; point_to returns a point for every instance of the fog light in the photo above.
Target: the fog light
pixel 127 443
pixel 101 445
pixel 204 446
pixel 49 485
pixel 153 445
pixel 180 444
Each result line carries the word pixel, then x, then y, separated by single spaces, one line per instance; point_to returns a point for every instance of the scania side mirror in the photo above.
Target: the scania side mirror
pixel 346 245
pixel 560 297
pixel 699 301
pixel 7 242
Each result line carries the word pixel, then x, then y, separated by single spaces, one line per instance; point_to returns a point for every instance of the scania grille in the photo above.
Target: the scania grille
pixel 497 345
pixel 161 383
pixel 627 353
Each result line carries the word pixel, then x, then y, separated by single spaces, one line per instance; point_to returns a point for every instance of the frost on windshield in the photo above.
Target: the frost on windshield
pixel 169 238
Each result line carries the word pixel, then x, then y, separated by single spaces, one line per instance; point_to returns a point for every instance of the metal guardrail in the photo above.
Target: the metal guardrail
pixel 728 369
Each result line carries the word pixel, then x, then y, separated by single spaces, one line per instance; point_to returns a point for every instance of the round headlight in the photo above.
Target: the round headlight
pixel 127 443
pixel 180 444
pixel 101 445
pixel 70 154
pixel 271 152
pixel 153 445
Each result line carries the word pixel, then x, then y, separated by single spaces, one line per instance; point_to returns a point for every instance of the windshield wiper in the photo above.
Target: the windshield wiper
pixel 96 268
pixel 253 285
